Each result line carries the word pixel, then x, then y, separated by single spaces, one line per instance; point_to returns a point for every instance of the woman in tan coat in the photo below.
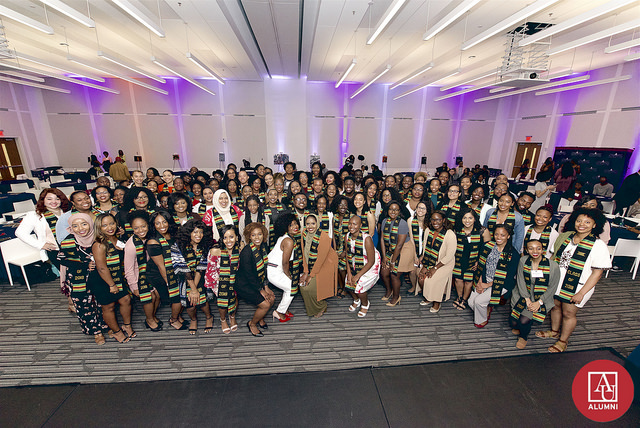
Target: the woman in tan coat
pixel 438 261
pixel 321 267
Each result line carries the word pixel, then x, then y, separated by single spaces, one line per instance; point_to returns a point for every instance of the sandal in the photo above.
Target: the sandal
pixel 173 323
pixel 234 324
pixel 363 310
pixel 99 338
pixel 354 306
pixel 559 346
pixel 208 329
pixel 456 303
pixel 225 330
pixel 192 330
pixel 124 339
pixel 549 334
pixel 130 332
pixel 462 305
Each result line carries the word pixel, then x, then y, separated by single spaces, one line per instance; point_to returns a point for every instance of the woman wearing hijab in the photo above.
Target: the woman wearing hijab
pixel 222 213
pixel 75 254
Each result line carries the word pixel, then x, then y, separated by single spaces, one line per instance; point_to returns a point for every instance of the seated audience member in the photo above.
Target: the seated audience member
pixel 603 188
pixel 575 191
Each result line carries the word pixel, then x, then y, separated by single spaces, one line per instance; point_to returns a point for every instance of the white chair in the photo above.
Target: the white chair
pixel 91 186
pixel 19 187
pixel 565 208
pixel 627 248
pixel 607 207
pixel 16 252
pixel 21 208
pixel 56 178
pixel 67 190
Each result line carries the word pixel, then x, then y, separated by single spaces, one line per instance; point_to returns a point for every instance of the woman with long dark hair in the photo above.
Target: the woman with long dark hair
pixel 564 177
pixel 189 256
pixel 206 203
pixel 342 207
pixel 137 199
pixel 394 232
pixel 506 214
pixel 452 204
pixel 542 231
pixel 363 266
pixel 180 208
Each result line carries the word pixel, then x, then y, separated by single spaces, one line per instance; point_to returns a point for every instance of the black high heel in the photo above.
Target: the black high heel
pixel 254 335
pixel 158 328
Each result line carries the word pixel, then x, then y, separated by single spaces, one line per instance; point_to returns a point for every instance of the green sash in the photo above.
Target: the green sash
pixel 539 287
pixel 390 237
pixel 472 240
pixel 576 265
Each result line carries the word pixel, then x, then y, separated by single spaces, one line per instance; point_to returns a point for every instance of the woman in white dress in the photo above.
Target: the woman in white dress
pixel 363 266
pixel 582 257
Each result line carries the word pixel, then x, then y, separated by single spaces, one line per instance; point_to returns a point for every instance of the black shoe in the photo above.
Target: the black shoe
pixel 264 327
pixel 255 335
pixel 158 328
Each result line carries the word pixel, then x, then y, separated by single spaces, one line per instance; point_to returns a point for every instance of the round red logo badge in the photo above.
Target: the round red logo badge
pixel 603 390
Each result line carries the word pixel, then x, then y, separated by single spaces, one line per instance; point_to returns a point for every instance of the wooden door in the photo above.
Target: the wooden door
pixel 10 162
pixel 529 151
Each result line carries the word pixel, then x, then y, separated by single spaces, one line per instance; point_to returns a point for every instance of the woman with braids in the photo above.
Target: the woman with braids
pixel 136 269
pixel 495 275
pixel 434 192
pixel 222 213
pixel 253 213
pixel 107 282
pixel 363 266
pixel 342 207
pixel 189 256
pixel 532 298
pixel 325 218
pixel 320 266
pixel 470 235
pixel 207 202
pixel 542 231
pixel 220 277
pixel 437 262
pixel 285 267
pixel 251 283
pixel 75 254
pixel 582 257
pixel 162 233
pixel 394 232
pixel 363 210
pixel 452 204
pixel 507 215
pixel 180 208
pixel 418 226
pixel 272 209
pixel 137 199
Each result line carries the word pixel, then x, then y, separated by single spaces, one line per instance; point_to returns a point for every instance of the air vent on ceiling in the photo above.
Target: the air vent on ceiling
pixel 630 108
pixel 68 113
pixel 365 117
pixel 403 118
pixel 112 113
pixel 476 120
pixel 325 117
pixel 244 115
pixel 4 109
pixel 201 114
pixel 580 113
pixel 540 116
pixel 435 118
pixel 157 114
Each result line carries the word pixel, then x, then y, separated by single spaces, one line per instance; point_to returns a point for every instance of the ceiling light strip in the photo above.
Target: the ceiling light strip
pixel 621 46
pixel 413 76
pixel 455 85
pixel 346 73
pixel 202 65
pixel 12 14
pixel 141 14
pixel 603 9
pixel 391 12
pixel 456 13
pixel 70 12
pixel 508 22
pixel 366 85
pixel 22 75
pixel 64 70
pixel 193 82
pixel 595 37
pixel 119 76
pixel 424 85
pixel 535 88
pixel 464 91
pixel 34 85
pixel 585 85
pixel 632 57
pixel 130 67
pixel 500 89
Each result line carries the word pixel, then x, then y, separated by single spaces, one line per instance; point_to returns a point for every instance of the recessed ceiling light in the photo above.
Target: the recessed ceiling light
pixel 471 56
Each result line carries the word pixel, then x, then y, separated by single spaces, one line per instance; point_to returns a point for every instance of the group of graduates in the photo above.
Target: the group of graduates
pixel 199 240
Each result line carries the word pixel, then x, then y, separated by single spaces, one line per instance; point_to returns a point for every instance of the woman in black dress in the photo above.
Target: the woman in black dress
pixel 251 284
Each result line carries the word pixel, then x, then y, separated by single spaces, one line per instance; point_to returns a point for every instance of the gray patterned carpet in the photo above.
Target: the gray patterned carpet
pixel 41 343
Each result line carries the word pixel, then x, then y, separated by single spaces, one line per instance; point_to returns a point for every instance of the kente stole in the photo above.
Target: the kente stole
pixel 539 287
pixel 576 265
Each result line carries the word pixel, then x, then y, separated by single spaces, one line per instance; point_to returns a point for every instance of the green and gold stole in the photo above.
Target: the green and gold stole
pixel 114 264
pixel 439 197
pixel 544 237
pixel 172 282
pixel 390 237
pixel 407 197
pixel 219 221
pixel 52 220
pixel 260 258
pixel 576 265
pixel 451 212
pixel 527 217
pixel 365 221
pixel 77 273
pixel 144 288
pixel 432 249
pixel 296 263
pixel 499 278
pixel 193 258
pixel 325 224
pixel 313 251
pixel 270 211
pixel 176 219
pixel 477 210
pixel 539 287
pixel 493 218
pixel 127 227
pixel 340 230
pixel 415 234
pixel 227 278
pixel 202 209
pixel 355 258
pixel 473 239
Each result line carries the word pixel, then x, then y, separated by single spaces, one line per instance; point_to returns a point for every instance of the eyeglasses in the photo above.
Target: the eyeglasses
pixel 142 197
